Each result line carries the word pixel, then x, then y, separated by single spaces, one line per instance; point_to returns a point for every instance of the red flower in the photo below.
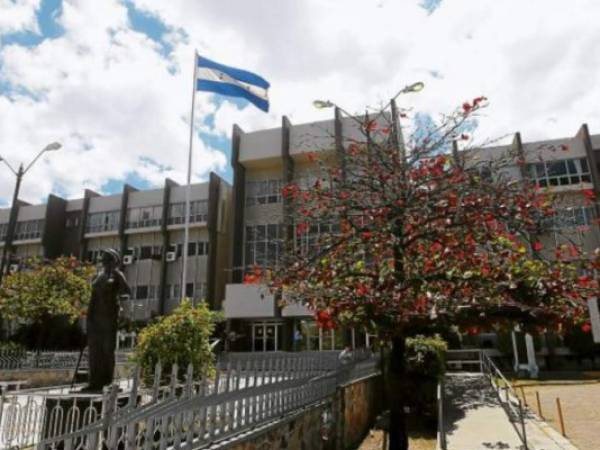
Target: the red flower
pixel 370 126
pixel 301 228
pixel 467 107
pixel 361 290
pixel 586 327
pixel 385 130
pixel 312 156
pixel 478 100
pixel 366 234
pixel 472 331
pixel 589 194
pixel 538 246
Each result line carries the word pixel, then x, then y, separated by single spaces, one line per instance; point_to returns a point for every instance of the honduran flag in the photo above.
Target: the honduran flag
pixel 214 77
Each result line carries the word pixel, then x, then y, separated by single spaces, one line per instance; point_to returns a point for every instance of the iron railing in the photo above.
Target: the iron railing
pixel 29 360
pixel 508 397
pixel 247 390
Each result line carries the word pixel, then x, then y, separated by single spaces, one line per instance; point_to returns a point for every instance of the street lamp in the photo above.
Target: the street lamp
pixel 12 221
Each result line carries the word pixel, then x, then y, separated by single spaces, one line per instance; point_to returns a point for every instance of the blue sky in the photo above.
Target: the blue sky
pixel 111 79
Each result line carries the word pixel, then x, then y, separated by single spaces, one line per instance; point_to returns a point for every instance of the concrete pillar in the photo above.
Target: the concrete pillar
pixel 531 361
pixel 515 351
pixel 595 318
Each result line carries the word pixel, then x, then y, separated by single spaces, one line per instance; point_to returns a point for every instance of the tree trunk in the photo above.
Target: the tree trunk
pixel 396 387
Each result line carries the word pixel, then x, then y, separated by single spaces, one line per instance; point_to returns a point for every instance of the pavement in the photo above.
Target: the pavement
pixel 475 419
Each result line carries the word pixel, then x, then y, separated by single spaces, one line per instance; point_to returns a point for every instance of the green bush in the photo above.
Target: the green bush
pixel 13 348
pixel 426 365
pixel 181 337
pixel 426 356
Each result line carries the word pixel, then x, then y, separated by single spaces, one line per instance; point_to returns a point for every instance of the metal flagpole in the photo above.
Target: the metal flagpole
pixel 186 238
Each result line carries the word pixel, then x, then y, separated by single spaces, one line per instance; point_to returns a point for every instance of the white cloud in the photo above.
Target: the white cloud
pixel 109 94
pixel 18 15
pixel 105 92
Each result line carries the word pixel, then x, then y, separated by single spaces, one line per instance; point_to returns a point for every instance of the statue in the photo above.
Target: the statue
pixel 102 316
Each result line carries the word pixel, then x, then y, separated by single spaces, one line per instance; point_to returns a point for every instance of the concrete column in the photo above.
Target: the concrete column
pixel 515 351
pixel 595 318
pixel 531 361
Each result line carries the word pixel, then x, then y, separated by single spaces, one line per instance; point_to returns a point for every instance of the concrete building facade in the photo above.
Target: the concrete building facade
pixel 147 227
pixel 263 161
pixel 235 228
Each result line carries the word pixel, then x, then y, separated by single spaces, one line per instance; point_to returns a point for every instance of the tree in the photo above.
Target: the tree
pixel 180 338
pixel 46 292
pixel 397 236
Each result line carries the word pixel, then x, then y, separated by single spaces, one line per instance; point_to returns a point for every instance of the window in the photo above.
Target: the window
pixel 30 229
pixel 146 252
pixel 102 221
pixel 573 217
pixel 189 290
pixel 3 231
pixel 266 336
pixel 263 192
pixel 200 291
pixel 141 292
pixel 147 216
pixel 560 173
pixel 72 221
pixel 198 212
pixel 191 248
pixel 93 256
pixel 309 241
pixel 264 245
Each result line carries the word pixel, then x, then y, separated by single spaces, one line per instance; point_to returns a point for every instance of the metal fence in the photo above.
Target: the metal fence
pixel 247 390
pixel 508 397
pixel 48 359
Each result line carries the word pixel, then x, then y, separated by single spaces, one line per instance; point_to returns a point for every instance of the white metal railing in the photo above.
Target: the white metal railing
pixel 247 390
pixel 49 360
pixel 441 434
pixel 508 397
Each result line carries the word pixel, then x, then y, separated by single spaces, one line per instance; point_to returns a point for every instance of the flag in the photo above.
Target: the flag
pixel 220 79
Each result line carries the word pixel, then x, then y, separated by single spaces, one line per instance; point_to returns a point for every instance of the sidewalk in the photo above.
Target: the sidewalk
pixel 474 419
pixel 473 416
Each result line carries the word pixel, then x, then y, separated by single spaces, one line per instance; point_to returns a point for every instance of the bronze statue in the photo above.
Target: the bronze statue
pixel 103 313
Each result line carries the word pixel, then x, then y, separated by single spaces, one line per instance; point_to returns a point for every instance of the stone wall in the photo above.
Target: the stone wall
pixel 360 402
pixel 353 410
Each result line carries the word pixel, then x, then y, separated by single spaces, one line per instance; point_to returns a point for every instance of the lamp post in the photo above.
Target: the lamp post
pixel 12 220
pixel 415 87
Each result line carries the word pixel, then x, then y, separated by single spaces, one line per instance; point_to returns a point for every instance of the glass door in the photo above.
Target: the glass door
pixel 266 336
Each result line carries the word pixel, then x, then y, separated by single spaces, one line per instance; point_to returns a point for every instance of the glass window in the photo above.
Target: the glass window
pixel 189 290
pixel 263 245
pixel 141 292
pixel 263 192
pixel 146 252
pixel 560 173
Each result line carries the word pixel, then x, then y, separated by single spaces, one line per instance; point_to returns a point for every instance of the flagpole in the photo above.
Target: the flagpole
pixel 186 238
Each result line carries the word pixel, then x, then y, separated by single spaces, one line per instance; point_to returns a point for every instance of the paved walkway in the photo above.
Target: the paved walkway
pixel 474 419
pixel 473 416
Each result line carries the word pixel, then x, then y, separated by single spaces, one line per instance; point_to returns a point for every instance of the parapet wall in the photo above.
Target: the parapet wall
pixel 339 422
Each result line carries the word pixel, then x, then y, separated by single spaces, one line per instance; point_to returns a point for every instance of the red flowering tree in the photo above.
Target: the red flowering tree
pixel 394 236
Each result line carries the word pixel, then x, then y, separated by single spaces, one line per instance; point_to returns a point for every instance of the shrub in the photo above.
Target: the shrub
pixel 426 365
pixel 426 356
pixel 12 348
pixel 182 338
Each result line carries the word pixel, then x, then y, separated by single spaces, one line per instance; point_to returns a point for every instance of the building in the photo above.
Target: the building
pixel 234 229
pixel 147 227
pixel 263 161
